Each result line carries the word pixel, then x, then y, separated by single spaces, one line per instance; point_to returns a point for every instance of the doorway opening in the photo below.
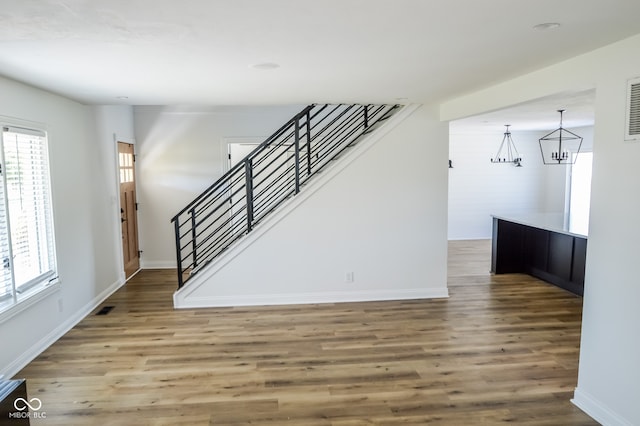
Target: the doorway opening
pixel 128 209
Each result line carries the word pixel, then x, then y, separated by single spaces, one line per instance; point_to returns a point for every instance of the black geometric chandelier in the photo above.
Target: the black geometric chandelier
pixel 507 152
pixel 560 146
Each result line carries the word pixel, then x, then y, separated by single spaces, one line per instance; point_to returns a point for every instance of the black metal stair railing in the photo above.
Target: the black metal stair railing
pixel 272 173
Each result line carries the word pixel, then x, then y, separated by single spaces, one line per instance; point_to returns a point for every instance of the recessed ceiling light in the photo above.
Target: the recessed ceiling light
pixel 265 66
pixel 122 98
pixel 546 26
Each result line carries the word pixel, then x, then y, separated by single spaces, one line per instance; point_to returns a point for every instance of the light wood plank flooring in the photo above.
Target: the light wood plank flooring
pixel 499 350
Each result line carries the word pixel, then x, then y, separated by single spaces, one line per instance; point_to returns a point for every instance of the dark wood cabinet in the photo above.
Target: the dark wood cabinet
pixel 536 248
pixel 554 257
pixel 579 261
pixel 560 255
pixel 508 238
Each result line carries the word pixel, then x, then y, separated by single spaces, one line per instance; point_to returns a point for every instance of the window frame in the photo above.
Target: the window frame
pixel 578 224
pixel 22 295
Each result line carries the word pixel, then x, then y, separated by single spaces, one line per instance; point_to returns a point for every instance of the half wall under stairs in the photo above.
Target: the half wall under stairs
pixel 355 232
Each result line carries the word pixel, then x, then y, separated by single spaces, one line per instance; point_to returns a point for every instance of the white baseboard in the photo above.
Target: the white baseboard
pixel 597 410
pixel 158 264
pixel 307 298
pixel 55 334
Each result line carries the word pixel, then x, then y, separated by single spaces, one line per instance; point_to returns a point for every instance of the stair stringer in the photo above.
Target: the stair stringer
pixel 186 298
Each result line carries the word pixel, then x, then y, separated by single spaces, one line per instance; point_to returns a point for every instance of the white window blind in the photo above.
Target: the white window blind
pixel 6 283
pixel 27 248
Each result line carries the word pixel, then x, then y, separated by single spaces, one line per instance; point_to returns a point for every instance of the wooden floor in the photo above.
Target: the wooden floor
pixel 499 350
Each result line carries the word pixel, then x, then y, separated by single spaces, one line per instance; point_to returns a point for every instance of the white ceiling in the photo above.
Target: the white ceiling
pixel 537 115
pixel 200 52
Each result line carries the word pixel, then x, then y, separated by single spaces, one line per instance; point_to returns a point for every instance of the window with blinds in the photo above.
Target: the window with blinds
pixel 27 249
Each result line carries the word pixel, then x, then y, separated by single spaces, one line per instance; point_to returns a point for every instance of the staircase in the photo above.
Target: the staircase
pixel 275 171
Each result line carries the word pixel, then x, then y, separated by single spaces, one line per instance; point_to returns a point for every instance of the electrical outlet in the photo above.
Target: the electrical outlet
pixel 348 277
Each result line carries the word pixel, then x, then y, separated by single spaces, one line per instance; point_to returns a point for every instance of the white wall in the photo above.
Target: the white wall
pixel 479 188
pixel 609 373
pixel 80 160
pixel 382 217
pixel 181 151
pixel 113 123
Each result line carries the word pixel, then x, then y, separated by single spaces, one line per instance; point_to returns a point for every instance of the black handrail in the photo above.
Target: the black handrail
pixel 205 193
pixel 269 175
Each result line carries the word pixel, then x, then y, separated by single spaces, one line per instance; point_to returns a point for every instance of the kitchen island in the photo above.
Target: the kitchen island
pixel 544 245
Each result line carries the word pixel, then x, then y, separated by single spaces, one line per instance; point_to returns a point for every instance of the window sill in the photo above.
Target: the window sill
pixel 29 300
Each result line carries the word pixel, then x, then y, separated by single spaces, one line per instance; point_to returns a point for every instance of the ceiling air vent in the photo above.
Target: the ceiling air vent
pixel 632 131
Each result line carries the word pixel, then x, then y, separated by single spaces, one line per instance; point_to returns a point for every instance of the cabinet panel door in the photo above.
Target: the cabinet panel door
pixel 560 255
pixel 507 247
pixel 536 248
pixel 579 260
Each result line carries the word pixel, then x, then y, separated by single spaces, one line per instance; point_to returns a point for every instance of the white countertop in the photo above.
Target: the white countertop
pixel 556 222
